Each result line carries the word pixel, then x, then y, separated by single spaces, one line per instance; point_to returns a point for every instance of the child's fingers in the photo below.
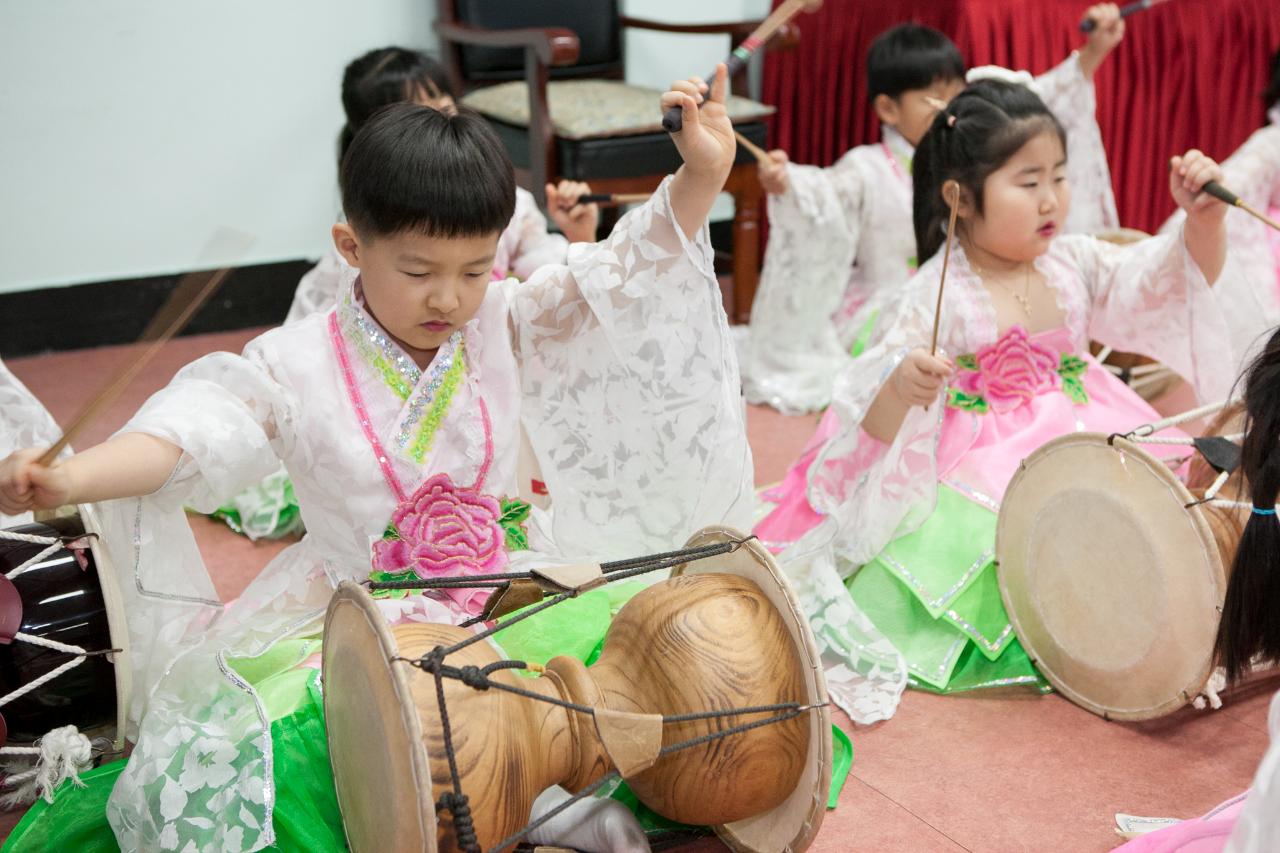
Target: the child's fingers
pixel 694 88
pixel 10 505
pixel 1200 174
pixel 569 192
pixel 676 99
pixel 778 156
pixel 720 84
pixel 40 477
pixel 689 112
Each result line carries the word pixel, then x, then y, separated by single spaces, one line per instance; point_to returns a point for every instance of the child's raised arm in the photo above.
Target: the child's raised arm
pixel 706 145
pixel 129 465
pixel 1205 232
pixel 1107 32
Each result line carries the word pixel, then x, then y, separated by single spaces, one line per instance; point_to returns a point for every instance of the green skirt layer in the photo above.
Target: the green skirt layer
pixel 306 815
pixel 935 595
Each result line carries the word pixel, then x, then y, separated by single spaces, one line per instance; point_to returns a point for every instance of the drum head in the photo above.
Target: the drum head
pixel 793 824
pixel 1112 584
pixel 385 794
pixel 114 602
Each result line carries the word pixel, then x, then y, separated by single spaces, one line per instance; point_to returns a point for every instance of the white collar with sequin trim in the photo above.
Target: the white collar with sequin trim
pixel 898 144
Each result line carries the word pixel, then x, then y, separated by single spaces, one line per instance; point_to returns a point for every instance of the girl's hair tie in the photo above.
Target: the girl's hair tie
pixel 951 120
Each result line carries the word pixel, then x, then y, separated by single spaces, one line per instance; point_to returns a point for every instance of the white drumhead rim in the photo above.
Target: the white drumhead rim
pixel 804 809
pixel 353 595
pixel 1202 531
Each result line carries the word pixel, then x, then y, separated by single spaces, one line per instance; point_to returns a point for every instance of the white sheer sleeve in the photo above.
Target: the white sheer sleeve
pixel 320 288
pixel 630 389
pixel 1070 96
pixel 1151 298
pixel 1258 826
pixel 24 422
pixel 528 242
pixel 232 419
pixel 869 493
pixel 1249 289
pixel 792 348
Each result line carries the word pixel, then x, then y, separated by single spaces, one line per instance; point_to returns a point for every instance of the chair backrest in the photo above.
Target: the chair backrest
pixel 594 21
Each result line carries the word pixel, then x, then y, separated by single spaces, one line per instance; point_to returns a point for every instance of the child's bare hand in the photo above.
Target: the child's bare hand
pixel 1187 176
pixel 26 485
pixel 705 140
pixel 577 221
pixel 920 377
pixel 1108 27
pixel 773 175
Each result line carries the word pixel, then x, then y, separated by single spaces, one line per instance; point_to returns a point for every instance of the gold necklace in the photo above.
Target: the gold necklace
pixel 1024 298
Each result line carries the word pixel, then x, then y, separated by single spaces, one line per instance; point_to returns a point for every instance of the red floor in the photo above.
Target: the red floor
pixel 983 773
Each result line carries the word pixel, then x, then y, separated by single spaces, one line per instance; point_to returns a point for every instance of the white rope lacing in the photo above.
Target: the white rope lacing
pixel 1175 420
pixel 1209 693
pixel 63 753
pixel 53 543
pixel 1137 370
pixel 1162 439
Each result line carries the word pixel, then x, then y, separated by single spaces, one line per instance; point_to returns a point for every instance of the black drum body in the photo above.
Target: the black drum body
pixel 61 600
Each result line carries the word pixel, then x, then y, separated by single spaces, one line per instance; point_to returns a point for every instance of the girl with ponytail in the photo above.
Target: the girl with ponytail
pixel 887 521
pixel 1250 626
pixel 1249 630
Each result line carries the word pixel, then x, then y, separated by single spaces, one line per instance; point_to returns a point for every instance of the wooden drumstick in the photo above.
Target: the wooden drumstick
pixel 673 120
pixel 161 328
pixel 611 199
pixel 954 201
pixel 756 151
pixel 1220 192
pixel 1088 25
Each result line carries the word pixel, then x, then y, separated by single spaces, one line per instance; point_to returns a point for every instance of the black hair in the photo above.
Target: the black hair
pixel 910 56
pixel 388 75
pixel 1250 624
pixel 412 168
pixel 1271 96
pixel 974 136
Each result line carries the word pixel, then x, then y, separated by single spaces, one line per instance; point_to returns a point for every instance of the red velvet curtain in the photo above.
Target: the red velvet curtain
pixel 1188 74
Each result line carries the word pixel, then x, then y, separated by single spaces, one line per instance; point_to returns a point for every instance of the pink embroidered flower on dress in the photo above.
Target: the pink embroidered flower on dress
pixel 1012 371
pixel 446 530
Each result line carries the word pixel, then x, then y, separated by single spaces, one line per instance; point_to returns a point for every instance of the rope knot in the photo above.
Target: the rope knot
pixel 432 660
pixel 464 829
pixel 473 677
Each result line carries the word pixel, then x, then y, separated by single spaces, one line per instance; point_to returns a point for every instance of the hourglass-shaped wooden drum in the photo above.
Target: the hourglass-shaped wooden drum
pixel 722 633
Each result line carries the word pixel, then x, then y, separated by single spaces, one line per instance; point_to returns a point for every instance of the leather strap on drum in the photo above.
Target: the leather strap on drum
pixel 632 741
pixel 580 577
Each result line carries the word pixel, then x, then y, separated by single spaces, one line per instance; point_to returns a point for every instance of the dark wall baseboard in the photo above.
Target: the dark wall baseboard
pixel 116 312
pixel 102 313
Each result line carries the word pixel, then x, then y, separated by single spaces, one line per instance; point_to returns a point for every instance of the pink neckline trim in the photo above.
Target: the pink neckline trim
pixel 366 424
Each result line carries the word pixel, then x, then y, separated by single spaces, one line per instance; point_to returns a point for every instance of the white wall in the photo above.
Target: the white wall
pixel 131 130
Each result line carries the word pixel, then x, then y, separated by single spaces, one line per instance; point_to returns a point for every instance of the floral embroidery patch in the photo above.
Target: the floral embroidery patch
pixel 1072 369
pixel 1012 372
pixel 445 529
pixel 514 513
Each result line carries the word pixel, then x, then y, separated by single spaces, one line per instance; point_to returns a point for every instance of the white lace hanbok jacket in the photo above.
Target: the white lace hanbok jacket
pixel 24 422
pixel 620 369
pixel 1250 296
pixel 841 243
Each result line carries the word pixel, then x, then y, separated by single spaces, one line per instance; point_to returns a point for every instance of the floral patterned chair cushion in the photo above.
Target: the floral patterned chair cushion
pixel 591 109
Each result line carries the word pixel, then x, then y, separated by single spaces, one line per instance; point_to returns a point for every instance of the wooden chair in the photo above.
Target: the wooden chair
pixel 548 76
